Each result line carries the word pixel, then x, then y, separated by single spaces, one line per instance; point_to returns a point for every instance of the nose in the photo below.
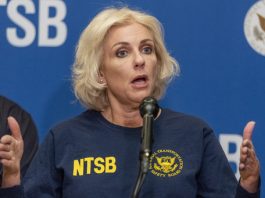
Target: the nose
pixel 139 60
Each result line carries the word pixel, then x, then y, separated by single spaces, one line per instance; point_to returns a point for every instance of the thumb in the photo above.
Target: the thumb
pixel 248 130
pixel 14 127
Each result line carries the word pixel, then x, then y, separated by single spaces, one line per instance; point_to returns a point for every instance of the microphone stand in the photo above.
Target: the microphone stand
pixel 149 110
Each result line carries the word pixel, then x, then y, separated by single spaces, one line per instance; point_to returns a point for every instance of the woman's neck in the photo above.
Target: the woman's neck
pixel 127 117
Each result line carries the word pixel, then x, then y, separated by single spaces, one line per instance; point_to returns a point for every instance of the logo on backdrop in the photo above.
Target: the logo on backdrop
pixel 165 163
pixel 51 30
pixel 254 27
pixel 231 145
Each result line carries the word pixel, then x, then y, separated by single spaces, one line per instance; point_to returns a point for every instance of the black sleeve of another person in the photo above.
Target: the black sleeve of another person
pixel 27 126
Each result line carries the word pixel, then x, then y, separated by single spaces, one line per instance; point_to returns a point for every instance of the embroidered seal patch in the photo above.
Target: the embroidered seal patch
pixel 165 163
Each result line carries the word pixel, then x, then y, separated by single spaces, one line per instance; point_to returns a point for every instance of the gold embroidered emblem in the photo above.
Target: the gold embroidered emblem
pixel 165 163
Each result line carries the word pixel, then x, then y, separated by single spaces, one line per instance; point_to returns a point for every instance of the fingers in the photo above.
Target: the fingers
pixel 247 155
pixel 14 127
pixel 248 130
pixel 4 147
pixel 6 162
pixel 247 152
pixel 5 155
pixel 249 163
pixel 11 146
pixel 6 139
pixel 11 151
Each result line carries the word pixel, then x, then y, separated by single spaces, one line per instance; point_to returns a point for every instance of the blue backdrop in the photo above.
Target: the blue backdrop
pixel 220 46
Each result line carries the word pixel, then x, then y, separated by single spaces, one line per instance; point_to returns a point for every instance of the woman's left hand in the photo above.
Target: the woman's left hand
pixel 249 167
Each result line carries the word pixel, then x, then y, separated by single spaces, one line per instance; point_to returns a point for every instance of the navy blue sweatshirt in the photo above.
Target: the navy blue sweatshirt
pixel 88 156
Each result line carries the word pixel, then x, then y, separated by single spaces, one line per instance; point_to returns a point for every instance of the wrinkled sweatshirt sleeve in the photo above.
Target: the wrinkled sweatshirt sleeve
pixel 216 178
pixel 42 178
pixel 242 193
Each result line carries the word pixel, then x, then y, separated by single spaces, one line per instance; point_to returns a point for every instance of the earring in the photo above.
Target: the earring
pixel 101 81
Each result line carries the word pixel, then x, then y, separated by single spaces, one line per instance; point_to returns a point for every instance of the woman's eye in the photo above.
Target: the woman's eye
pixel 147 50
pixel 121 53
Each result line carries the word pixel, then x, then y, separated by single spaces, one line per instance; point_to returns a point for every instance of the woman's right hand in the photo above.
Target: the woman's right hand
pixel 11 151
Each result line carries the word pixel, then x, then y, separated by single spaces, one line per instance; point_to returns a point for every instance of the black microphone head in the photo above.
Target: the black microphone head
pixel 149 106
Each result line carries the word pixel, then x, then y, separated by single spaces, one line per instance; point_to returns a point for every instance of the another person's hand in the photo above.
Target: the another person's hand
pixel 249 167
pixel 11 151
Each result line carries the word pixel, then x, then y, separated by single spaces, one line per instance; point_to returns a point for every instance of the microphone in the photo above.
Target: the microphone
pixel 148 110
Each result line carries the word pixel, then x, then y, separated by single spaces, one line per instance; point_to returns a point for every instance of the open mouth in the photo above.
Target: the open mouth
pixel 140 80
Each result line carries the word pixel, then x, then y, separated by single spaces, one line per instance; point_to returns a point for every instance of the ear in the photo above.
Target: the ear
pixel 101 78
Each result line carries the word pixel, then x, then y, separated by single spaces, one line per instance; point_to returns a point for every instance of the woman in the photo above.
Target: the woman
pixel 121 59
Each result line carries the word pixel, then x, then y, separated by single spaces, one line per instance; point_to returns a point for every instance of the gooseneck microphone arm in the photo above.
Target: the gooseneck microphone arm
pixel 148 110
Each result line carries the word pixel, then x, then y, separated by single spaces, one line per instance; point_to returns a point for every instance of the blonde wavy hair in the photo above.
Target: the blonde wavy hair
pixel 89 53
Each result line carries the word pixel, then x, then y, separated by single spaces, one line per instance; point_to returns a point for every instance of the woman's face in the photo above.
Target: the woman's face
pixel 129 64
